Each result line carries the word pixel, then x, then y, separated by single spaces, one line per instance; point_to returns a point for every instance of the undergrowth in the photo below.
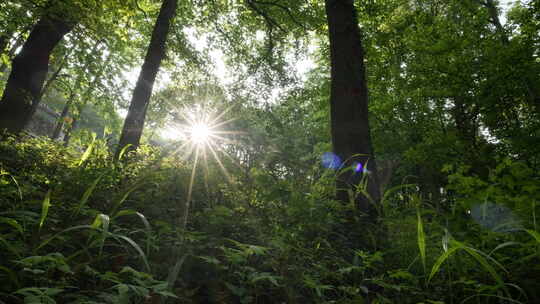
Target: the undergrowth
pixel 77 227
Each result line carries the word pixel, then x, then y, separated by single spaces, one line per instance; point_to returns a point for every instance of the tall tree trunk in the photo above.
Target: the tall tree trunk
pixel 28 72
pixel 134 123
pixel 351 138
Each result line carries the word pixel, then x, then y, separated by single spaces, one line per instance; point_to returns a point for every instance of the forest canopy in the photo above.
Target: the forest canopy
pixel 269 151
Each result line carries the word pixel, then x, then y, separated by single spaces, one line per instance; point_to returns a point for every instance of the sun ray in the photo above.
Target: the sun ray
pixel 213 121
pixel 190 189
pixel 219 162
pixel 223 123
pixel 205 137
pixel 206 171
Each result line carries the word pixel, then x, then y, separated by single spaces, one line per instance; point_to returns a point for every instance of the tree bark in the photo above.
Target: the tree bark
pixel 134 122
pixel 351 138
pixel 28 72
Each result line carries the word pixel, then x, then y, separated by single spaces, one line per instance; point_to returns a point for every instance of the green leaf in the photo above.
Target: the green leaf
pixel 15 182
pixel 534 234
pixel 123 151
pixel 79 227
pixel 13 223
pixel 124 197
pixel 136 247
pixel 87 194
pixel 9 247
pixel 88 151
pixel 482 261
pixel 477 255
pixel 12 276
pixel 440 261
pixel 45 208
pixel 421 238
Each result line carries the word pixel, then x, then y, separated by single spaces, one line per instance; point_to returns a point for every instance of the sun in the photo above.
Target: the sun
pixel 200 133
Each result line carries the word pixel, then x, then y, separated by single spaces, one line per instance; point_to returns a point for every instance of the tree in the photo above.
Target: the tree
pixel 350 131
pixel 29 70
pixel 134 123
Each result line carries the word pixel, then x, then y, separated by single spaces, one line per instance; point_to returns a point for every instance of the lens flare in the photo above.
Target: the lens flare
pixel 200 133
pixel 357 167
pixel 331 161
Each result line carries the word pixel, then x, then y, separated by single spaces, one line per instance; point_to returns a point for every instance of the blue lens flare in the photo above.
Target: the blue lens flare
pixel 357 167
pixel 495 217
pixel 331 161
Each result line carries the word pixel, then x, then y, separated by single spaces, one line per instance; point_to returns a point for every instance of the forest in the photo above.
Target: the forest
pixel 269 151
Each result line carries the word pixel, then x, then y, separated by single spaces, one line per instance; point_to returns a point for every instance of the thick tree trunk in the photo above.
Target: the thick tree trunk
pixel 134 123
pixel 28 73
pixel 351 138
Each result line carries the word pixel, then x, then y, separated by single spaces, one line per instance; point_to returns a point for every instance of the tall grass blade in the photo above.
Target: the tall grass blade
pixel 487 295
pixel 440 261
pixel 148 228
pixel 45 205
pixel 104 221
pixel 148 231
pixel 9 247
pixel 88 151
pixel 86 195
pixel 173 273
pixel 13 223
pixel 421 238
pixel 477 255
pixel 136 247
pixel 484 263
pixel 79 227
pixel 14 181
pixel 503 245
pixel 534 234
pixel 123 151
pixel 123 198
